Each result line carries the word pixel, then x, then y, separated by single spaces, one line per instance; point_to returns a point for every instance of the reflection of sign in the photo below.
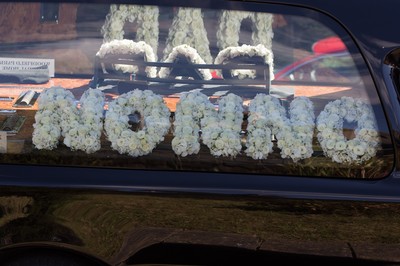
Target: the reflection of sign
pixel 12 124
pixel 21 64
pixel 3 141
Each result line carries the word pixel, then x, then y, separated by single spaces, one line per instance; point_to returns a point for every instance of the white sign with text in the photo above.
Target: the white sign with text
pixel 3 142
pixel 20 64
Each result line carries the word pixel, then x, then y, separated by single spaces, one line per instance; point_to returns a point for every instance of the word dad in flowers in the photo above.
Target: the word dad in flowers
pixel 197 120
pixel 187 28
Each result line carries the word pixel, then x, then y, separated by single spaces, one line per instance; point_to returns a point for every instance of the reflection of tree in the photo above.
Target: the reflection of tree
pixel 28 219
pixel 12 208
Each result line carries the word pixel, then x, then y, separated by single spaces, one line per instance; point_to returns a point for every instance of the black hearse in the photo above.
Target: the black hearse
pixel 155 133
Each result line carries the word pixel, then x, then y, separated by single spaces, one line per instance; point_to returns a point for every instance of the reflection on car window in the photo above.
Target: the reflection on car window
pixel 192 89
pixel 331 68
pixel 328 61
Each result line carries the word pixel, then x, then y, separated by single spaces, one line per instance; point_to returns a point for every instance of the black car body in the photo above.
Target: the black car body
pixel 112 206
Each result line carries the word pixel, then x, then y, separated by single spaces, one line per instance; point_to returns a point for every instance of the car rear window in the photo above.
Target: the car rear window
pixel 236 88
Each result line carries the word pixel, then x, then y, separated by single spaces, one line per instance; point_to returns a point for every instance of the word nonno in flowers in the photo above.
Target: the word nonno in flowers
pixel 198 121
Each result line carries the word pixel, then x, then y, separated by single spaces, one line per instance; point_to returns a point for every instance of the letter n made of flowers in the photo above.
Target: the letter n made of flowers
pixel 268 118
pixel 220 130
pixel 58 116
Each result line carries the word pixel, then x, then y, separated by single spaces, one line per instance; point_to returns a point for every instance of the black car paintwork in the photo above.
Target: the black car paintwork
pixel 47 226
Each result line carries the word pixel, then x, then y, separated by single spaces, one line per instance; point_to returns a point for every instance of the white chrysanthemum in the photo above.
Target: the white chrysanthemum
pixel 85 134
pixel 330 131
pixel 267 117
pixel 128 47
pixel 146 17
pixel 59 116
pixel 230 23
pixel 188 28
pixel 221 129
pixel 190 54
pixel 156 122
pixel 246 50
pixel 191 108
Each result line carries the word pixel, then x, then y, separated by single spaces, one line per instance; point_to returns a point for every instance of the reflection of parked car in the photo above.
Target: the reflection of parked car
pixel 111 168
pixel 331 62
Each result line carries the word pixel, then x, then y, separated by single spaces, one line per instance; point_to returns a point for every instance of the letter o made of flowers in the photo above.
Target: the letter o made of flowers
pixel 156 122
pixel 330 131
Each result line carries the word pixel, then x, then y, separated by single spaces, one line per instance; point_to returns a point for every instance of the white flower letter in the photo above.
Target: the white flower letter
pixel 250 51
pixel 156 122
pixel 191 108
pixel 190 54
pixel 188 28
pixel 58 116
pixel 84 133
pixel 330 131
pixel 146 17
pixel 267 117
pixel 229 28
pixel 221 129
pixel 128 47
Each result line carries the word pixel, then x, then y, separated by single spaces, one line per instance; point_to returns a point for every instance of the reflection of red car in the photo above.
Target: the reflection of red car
pixel 331 62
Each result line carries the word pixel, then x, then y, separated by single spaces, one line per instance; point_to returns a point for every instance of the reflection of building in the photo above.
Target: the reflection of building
pixel 37 22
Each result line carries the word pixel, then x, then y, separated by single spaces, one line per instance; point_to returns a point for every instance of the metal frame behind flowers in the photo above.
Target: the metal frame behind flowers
pixel 262 79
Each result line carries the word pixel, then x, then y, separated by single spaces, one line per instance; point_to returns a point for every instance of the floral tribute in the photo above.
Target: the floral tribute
pixel 268 117
pixel 59 116
pixel 188 28
pixel 295 138
pixel 330 131
pixel 229 28
pixel 156 122
pixel 146 17
pixel 264 111
pixel 191 54
pixel 221 129
pixel 50 119
pixel 198 120
pixel 190 110
pixel 250 51
pixel 128 47
pixel 86 126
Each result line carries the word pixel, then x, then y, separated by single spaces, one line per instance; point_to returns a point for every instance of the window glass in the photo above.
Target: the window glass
pixel 257 89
